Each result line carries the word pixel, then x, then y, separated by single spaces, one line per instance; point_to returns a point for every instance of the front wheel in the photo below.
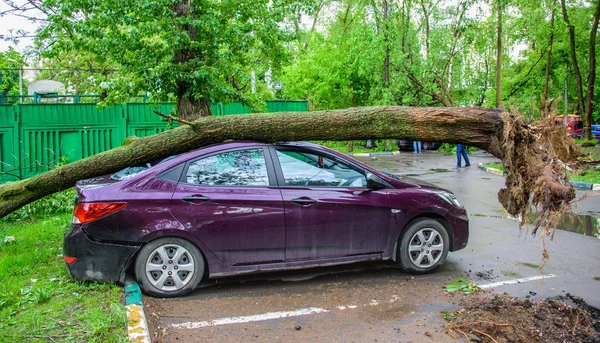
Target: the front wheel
pixel 169 267
pixel 423 247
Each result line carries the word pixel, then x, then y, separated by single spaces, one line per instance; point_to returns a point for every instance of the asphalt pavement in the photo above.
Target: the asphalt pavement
pixel 379 302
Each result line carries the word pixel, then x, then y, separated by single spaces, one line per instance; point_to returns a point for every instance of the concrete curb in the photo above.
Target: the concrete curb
pixel 137 326
pixel 576 184
pixel 491 170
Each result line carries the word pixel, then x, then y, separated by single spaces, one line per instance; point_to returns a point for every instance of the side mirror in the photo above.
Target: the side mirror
pixel 374 182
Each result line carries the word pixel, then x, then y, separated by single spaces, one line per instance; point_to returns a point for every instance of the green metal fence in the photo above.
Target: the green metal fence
pixel 36 137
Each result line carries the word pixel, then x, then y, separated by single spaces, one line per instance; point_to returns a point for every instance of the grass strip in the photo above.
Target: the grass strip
pixel 39 301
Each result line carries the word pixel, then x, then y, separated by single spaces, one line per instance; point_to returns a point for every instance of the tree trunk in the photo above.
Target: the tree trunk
pixel 190 109
pixel 530 157
pixel 386 61
pixel 580 101
pixel 545 108
pixel 499 57
pixel 592 75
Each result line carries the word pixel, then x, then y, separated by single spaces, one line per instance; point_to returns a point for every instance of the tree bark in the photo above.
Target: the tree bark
pixel 545 109
pixel 386 61
pixel 531 158
pixel 592 75
pixel 188 107
pixel 573 54
pixel 499 57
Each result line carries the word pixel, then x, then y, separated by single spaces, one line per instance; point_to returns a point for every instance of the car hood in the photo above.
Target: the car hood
pixel 419 183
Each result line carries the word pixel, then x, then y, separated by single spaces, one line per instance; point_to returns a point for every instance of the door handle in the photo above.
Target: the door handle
pixel 194 198
pixel 304 201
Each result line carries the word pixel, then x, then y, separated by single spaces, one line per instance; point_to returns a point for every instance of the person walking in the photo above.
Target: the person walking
pixel 416 147
pixel 461 151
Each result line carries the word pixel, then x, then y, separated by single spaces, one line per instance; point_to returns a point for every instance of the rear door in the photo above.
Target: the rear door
pixel 229 200
pixel 329 211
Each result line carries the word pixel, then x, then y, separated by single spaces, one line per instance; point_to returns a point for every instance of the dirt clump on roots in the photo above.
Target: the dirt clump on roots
pixel 489 318
pixel 537 158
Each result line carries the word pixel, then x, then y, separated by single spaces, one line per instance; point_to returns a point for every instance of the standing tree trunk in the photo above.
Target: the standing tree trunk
pixel 189 107
pixel 386 62
pixel 580 101
pixel 499 56
pixel 592 75
pixel 545 108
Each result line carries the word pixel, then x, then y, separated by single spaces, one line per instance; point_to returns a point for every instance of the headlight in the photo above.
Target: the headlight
pixel 448 197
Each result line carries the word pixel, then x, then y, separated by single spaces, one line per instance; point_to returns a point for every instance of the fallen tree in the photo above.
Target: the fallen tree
pixel 534 158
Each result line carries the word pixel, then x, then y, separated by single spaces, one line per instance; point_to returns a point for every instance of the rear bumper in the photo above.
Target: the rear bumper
pixel 96 261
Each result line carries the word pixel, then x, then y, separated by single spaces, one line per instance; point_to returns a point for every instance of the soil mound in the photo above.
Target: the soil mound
pixel 503 319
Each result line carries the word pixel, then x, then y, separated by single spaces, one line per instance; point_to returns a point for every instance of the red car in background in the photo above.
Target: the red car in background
pixel 574 123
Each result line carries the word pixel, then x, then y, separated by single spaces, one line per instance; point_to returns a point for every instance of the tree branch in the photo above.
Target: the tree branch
pixel 170 117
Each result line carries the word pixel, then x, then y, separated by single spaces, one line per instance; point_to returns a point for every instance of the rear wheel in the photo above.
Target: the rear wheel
pixel 169 267
pixel 426 146
pixel 423 247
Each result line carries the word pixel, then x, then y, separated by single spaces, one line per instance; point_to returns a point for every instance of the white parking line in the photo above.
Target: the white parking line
pixel 515 281
pixel 253 318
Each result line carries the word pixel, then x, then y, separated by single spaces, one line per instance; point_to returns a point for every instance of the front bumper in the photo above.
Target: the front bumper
pixel 96 261
pixel 459 221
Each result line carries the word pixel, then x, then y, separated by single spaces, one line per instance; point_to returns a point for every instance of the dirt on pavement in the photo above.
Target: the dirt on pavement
pixel 502 318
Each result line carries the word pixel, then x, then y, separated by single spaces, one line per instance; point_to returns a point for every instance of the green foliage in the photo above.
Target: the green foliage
pixel 447 315
pixel 359 146
pixel 39 299
pixel 194 50
pixel 448 148
pixel 10 61
pixel 494 165
pixel 57 203
pixel 461 284
pixel 589 142
pixel 589 175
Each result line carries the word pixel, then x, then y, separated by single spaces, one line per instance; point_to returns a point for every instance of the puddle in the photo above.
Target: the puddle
pixel 578 223
pixel 486 216
pixel 530 265
pixel 584 224
pixel 511 274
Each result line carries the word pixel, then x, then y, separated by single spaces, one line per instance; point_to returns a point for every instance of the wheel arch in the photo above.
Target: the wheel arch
pixel 150 238
pixel 428 215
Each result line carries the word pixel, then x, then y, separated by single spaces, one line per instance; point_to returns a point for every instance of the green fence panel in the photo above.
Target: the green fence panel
pixel 36 137
pixel 69 114
pixel 235 108
pixel 287 106
pixel 48 146
pixel 9 142
pixel 143 122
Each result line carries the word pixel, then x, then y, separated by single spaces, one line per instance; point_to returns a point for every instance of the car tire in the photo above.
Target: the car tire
pixel 426 146
pixel 169 267
pixel 418 258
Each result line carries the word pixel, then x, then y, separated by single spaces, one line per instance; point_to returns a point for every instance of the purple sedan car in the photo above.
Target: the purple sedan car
pixel 248 207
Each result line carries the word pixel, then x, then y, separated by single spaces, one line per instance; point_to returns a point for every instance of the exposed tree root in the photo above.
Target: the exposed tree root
pixel 537 158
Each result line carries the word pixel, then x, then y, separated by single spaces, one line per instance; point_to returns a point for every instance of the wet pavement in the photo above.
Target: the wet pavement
pixel 379 302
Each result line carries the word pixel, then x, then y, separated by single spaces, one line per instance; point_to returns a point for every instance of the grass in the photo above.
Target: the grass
pixel 39 301
pixel 494 165
pixel 359 146
pixel 590 176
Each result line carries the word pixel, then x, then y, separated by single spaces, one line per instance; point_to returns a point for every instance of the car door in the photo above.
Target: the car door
pixel 229 200
pixel 329 211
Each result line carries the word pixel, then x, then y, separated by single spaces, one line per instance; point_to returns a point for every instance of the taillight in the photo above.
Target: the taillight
pixel 86 212
pixel 70 260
